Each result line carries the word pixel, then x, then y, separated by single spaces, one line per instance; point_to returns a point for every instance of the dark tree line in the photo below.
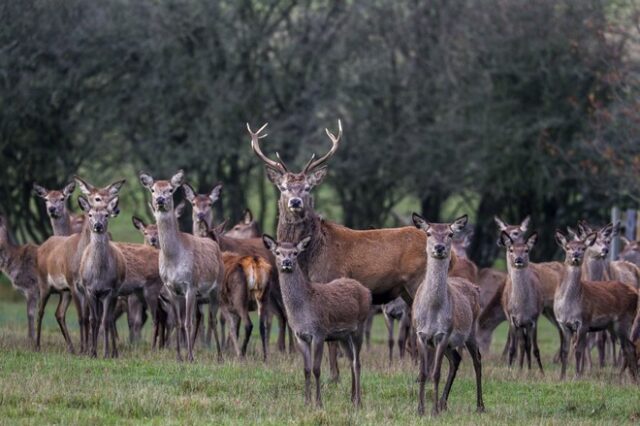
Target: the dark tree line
pixel 503 107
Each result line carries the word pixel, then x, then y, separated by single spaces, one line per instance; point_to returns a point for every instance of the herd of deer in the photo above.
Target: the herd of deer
pixel 321 279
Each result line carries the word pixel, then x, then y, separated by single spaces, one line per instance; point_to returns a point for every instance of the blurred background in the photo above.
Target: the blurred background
pixel 488 108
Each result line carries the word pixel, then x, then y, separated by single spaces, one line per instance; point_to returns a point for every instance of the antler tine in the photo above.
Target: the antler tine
pixel 255 145
pixel 335 140
pixel 281 162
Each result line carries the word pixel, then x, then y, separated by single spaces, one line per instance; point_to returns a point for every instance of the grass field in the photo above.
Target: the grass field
pixel 150 387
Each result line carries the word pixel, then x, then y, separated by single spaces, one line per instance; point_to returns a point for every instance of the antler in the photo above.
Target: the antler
pixel 335 140
pixel 255 145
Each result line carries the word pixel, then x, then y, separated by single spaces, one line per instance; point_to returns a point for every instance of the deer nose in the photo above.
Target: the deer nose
pixel 160 201
pixel 98 227
pixel 605 251
pixel 287 264
pixel 52 209
pixel 295 203
pixel 518 261
pixel 439 248
pixel 200 216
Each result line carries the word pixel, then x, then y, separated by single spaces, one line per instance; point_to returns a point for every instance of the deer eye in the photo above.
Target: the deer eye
pixel 450 234
pixel 278 252
pixel 428 233
pixel 307 188
pixel 295 253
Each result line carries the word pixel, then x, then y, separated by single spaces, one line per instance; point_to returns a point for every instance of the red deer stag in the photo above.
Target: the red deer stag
pixel 336 311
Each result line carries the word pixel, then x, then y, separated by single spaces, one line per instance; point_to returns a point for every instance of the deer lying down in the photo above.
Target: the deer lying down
pixel 334 311
pixel 244 289
pixel 582 306
pixel 18 263
pixel 445 314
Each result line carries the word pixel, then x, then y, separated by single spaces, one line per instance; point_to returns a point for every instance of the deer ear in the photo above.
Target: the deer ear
pixel 214 195
pixel 504 240
pixel 84 204
pixel 138 223
pixel 112 207
pixel 179 210
pixel 114 188
pixel 532 240
pixel 317 176
pixel 248 217
pixel 39 191
pixel 560 239
pixel 85 187
pixel 146 180
pixel 501 225
pixel 274 176
pixel 419 221
pixel 269 242
pixel 459 224
pixel 189 193
pixel 177 180
pixel 304 243
pixel 68 190
pixel 525 224
pixel 219 229
pixel 591 239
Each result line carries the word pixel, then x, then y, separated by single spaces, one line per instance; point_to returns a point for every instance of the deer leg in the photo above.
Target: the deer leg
pixel 454 362
pixel 248 328
pixel 94 316
pixel 61 310
pixel 223 326
pixel 317 346
pixel 564 351
pixel 42 302
pixel 581 343
pixel 333 362
pixel 214 306
pixel 601 340
pixel 177 305
pixel 111 320
pixel 614 356
pixel 628 351
pixel 347 348
pixel 422 374
pixel 536 350
pixel 402 337
pixel 506 351
pixel 305 350
pixel 190 332
pixel 32 306
pixel 390 341
pixel 512 341
pixel 282 332
pixel 522 339
pixel 263 333
pixel 291 340
pixel 526 334
pixel 356 343
pixel 476 358
pixel 441 346
pixel 234 325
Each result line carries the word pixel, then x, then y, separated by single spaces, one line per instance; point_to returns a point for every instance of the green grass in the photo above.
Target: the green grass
pixel 150 387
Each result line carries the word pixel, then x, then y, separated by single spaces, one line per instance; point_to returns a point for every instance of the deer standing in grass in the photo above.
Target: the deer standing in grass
pixel 445 314
pixel 58 261
pixel 389 262
pixel 582 306
pixel 102 272
pixel 334 311
pixel 190 267
pixel 522 299
pixel 18 262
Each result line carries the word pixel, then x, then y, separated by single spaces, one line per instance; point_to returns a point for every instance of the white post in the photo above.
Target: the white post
pixel 615 243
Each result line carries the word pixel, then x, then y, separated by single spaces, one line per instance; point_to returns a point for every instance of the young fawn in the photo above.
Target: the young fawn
pixel 333 311
pixel 582 306
pixel 522 299
pixel 102 272
pixel 445 314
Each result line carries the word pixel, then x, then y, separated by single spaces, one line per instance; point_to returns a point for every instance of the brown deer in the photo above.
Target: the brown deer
pixel 202 205
pixel 102 272
pixel 62 222
pixel 582 306
pixel 522 299
pixel 445 314
pixel 631 251
pixel 389 262
pixel 190 266
pixel 58 265
pixel 336 311
pixel 18 262
pixel 245 289
pixel 246 228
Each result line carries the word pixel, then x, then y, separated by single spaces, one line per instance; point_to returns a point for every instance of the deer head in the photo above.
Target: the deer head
pixel 99 195
pixel 55 201
pixel 149 232
pixel 162 191
pixel 518 253
pixel 98 213
pixel 575 250
pixel 295 188
pixel 515 232
pixel 600 249
pixel 246 228
pixel 202 204
pixel 286 254
pixel 439 235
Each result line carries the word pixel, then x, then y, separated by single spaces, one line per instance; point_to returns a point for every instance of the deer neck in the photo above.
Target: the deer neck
pixel 168 234
pixel 61 225
pixel 295 288
pixel 194 220
pixel 520 284
pixel 595 268
pixel 98 250
pixel 571 286
pixel 436 289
